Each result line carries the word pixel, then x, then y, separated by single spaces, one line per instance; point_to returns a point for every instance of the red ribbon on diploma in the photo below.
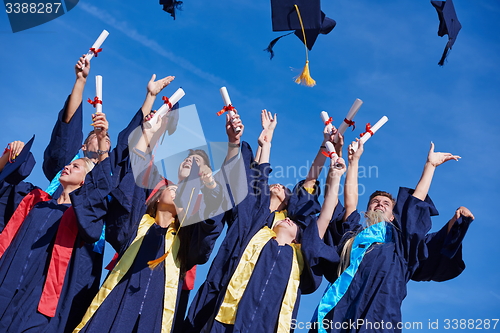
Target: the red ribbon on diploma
pixel 167 101
pixel 95 101
pixel 328 154
pixel 368 129
pixel 225 109
pixel 329 121
pixel 95 51
pixel 350 123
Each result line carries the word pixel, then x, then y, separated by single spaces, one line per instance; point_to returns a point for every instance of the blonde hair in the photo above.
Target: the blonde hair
pixel 88 164
pixel 371 218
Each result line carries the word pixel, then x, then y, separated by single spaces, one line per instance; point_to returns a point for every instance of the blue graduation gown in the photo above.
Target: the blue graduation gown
pixel 251 215
pixel 379 285
pixel 444 261
pixel 13 190
pixel 24 265
pixel 136 303
pixel 65 142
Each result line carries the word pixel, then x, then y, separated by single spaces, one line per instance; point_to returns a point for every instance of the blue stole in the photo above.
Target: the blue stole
pixel 377 233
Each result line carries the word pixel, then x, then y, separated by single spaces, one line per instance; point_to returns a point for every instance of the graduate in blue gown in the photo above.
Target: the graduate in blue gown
pixel 14 168
pixel 141 293
pixel 378 260
pixel 40 290
pixel 259 236
pixel 66 138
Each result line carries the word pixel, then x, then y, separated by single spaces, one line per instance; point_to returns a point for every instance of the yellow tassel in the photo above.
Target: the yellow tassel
pixel 154 263
pixel 305 77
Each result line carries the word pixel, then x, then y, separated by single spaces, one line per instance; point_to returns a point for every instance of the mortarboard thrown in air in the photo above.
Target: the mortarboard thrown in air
pixel 170 6
pixel 17 170
pixel 307 20
pixel 448 24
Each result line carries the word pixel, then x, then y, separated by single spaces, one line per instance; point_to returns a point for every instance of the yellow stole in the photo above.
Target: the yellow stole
pixel 239 281
pixel 126 261
pixel 282 214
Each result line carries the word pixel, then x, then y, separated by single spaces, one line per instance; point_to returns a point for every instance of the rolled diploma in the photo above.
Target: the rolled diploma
pixel 227 102
pixel 330 148
pixel 178 94
pixel 350 116
pixel 374 129
pixel 324 117
pixel 102 37
pixel 98 92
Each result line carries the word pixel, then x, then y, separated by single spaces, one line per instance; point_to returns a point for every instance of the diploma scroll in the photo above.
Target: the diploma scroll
pixel 166 107
pixel 327 121
pixel 95 47
pixel 227 102
pixel 348 119
pixel 98 93
pixel 372 130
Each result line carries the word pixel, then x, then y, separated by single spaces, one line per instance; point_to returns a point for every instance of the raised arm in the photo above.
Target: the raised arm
pixel 268 123
pixel 101 126
pixel 233 137
pixel 76 96
pixel 434 159
pixel 153 89
pixel 351 179
pixel 337 169
pixel 319 160
pixel 11 152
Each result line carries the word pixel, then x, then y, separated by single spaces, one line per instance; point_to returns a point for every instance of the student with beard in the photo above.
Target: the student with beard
pixel 377 260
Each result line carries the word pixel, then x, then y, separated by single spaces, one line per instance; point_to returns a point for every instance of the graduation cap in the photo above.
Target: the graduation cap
pixel 170 6
pixel 187 195
pixel 448 24
pixel 23 164
pixel 307 20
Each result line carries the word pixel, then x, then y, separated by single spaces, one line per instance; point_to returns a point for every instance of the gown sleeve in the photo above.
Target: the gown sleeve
pixel 90 201
pixel 413 219
pixel 444 261
pixel 318 257
pixel 12 187
pixel 65 142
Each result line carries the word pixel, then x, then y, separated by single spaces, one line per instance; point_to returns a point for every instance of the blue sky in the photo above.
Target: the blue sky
pixel 383 52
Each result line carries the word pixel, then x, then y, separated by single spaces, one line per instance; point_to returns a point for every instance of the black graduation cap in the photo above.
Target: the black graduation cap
pixel 327 25
pixel 23 169
pixel 187 194
pixel 306 19
pixel 448 24
pixel 170 6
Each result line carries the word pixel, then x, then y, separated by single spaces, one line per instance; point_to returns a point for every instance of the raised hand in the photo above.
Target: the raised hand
pixel 206 176
pixel 267 120
pixel 436 158
pixel 82 73
pixel 351 154
pixel 155 87
pixel 100 124
pixel 462 211
pixel 232 123
pixel 337 166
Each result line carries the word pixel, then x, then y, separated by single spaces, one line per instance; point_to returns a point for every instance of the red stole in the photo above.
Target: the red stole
pixel 61 252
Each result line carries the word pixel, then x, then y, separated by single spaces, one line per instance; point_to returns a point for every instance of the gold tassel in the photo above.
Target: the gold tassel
pixel 304 77
pixel 154 263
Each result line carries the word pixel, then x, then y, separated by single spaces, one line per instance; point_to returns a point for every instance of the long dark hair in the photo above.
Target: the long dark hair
pixel 183 235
